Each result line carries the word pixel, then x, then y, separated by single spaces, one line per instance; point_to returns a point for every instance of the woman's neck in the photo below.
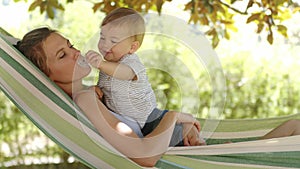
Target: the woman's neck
pixel 71 88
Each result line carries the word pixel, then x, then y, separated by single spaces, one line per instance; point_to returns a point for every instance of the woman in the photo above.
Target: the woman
pixel 58 59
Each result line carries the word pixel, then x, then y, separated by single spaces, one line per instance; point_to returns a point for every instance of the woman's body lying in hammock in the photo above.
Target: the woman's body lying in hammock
pixel 58 59
pixel 288 128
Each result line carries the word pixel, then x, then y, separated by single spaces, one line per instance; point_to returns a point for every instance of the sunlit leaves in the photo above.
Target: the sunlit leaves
pixel 140 5
pixel 215 39
pixel 279 2
pixel 46 5
pixel 212 14
pixel 215 14
pixel 297 9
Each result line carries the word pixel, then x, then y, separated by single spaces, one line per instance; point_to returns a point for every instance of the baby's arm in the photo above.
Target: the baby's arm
pixel 114 69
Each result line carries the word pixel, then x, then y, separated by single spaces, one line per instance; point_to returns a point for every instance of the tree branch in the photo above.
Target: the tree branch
pixel 234 9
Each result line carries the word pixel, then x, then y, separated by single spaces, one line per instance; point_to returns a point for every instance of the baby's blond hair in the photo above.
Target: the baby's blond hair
pixel 129 19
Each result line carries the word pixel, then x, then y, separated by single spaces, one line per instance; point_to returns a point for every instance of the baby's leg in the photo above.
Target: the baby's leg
pixel 288 128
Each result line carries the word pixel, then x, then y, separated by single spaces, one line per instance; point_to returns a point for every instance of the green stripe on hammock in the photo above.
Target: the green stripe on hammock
pixel 281 159
pixel 241 125
pixel 196 163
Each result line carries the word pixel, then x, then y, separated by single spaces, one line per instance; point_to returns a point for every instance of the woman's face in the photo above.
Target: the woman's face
pixel 62 60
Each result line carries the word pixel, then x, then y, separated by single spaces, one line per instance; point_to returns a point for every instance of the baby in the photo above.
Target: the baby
pixel 123 77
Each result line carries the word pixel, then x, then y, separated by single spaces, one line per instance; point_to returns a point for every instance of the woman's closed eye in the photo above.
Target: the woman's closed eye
pixel 62 55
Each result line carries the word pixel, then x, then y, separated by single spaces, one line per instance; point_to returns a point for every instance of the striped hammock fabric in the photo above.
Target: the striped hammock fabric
pixel 58 117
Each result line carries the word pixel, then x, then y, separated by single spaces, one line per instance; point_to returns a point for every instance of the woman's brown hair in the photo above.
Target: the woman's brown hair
pixel 32 47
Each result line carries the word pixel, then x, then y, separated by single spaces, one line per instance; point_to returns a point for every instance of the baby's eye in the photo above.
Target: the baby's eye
pixel 115 40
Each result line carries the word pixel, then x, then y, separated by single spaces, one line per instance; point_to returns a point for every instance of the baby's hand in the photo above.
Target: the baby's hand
pixel 94 58
pixel 98 91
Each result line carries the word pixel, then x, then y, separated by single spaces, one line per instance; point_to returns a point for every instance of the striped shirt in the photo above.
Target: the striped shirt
pixel 135 99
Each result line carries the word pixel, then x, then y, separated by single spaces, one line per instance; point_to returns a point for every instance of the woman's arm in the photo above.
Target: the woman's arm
pixel 288 128
pixel 144 151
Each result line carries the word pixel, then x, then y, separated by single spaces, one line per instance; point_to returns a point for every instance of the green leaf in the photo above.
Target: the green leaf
pixel 215 40
pixel 204 20
pixel 232 27
pixel 282 30
pixel 279 2
pixel 250 4
pixel 56 5
pixel 34 5
pixel 270 37
pixel 194 18
pixel 233 1
pixel 42 7
pixel 227 35
pixel 61 7
pixel 50 12
pixel 212 31
pixel 297 9
pixel 97 6
pixel 260 27
pixel 159 4
pixel 253 17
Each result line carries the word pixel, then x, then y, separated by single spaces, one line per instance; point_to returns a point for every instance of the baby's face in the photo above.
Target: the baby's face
pixel 114 42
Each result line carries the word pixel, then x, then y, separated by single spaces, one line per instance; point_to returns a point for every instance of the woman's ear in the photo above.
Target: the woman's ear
pixel 134 46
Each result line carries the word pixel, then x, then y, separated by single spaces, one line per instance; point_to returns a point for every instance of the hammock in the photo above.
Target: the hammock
pixel 55 114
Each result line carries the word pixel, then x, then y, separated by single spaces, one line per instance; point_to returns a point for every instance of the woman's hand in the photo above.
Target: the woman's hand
pixel 190 135
pixel 98 91
pixel 191 130
pixel 187 118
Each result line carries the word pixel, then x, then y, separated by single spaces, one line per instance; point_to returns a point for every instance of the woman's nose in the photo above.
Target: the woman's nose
pixel 76 54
